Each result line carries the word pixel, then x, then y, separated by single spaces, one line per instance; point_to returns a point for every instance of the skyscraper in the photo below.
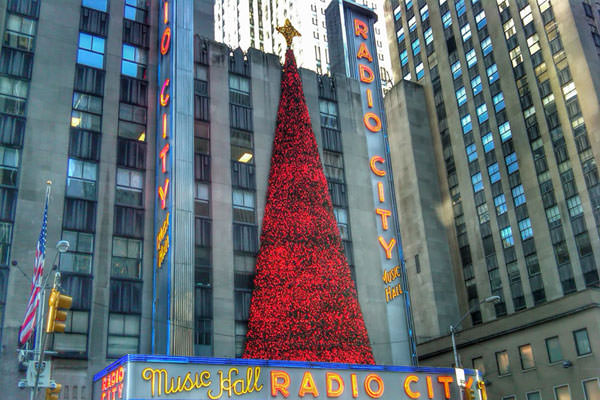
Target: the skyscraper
pixel 512 91
pixel 252 23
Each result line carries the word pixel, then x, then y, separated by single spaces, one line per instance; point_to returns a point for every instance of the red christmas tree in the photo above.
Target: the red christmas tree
pixel 304 305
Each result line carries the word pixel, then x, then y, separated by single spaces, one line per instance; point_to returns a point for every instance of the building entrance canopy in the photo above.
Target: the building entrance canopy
pixel 146 377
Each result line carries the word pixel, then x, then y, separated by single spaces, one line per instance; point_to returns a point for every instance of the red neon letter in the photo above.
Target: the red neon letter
pixel 380 192
pixel 369 98
pixel 429 387
pixel 446 381
pixel 373 127
pixel 162 193
pixel 366 74
pixel 377 171
pixel 375 394
pixel 164 125
pixel 387 246
pixel 360 28
pixel 354 385
pixel 164 99
pixel 333 377
pixel 166 12
pixel 163 157
pixel 363 52
pixel 165 41
pixel 277 386
pixel 410 379
pixel 308 385
pixel 384 214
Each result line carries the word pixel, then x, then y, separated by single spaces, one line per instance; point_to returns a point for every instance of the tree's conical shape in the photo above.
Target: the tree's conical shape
pixel 304 305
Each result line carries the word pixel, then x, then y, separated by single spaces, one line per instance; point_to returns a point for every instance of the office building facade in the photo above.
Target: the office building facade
pixel 252 24
pixel 511 89
pixel 82 107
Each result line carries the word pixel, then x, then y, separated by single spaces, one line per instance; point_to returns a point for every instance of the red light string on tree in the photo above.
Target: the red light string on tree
pixel 304 305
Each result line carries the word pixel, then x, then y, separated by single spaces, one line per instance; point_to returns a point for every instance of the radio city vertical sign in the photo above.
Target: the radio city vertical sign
pixel 172 310
pixel 164 179
pixel 351 36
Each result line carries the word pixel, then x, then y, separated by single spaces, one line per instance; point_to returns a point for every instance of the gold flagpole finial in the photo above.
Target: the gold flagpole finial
pixel 288 31
pixel 48 182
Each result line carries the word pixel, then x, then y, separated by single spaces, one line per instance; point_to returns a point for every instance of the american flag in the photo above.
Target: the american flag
pixel 36 282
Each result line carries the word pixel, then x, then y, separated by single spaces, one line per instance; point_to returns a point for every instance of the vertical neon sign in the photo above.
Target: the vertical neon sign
pixel 350 28
pixel 164 183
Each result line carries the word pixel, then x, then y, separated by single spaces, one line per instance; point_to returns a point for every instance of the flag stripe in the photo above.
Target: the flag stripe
pixel 28 326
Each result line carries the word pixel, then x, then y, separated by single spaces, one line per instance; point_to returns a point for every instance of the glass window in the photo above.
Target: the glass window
pixel 400 35
pixel 526 354
pixel 13 95
pixel 95 4
pixel 552 214
pixel 87 103
pixel 129 187
pixel 477 183
pixel 582 342
pixel 9 164
pixel 461 96
pixel 481 20
pixel 134 61
pixel 534 396
pixel 123 334
pixel 498 102
pixel 91 50
pixel 460 7
pixel 447 19
pixel 526 16
pixel 126 258
pixel 512 165
pixel 505 131
pixel 507 237
pixel 509 28
pixel 479 365
pixel 471 58
pixel 239 84
pixel 533 43
pixel 562 392
pixel 492 73
pixel 19 32
pixel 502 362
pixel 416 47
pixel 136 10
pixel 419 69
pixel 81 179
pixel 518 195
pixel 456 70
pixel 476 85
pixel 515 56
pixel 574 205
pixel 525 229
pixel 471 152
pixel 553 349
pixel 500 203
pixel 428 35
pixel 486 46
pixel 465 31
pixel 494 172
pixel 482 113
pixel 482 212
pixel 412 24
pixel 465 121
pixel 488 142
pixel 424 12
pixel 244 206
pixel 341 216
pixel 403 57
pixel 79 257
pixel 591 389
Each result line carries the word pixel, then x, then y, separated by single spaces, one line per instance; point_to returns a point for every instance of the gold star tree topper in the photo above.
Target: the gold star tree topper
pixel 288 31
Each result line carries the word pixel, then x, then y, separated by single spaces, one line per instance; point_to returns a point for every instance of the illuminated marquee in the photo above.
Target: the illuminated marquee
pixel 155 377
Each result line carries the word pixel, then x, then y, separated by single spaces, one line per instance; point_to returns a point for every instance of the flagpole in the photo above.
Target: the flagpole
pixel 39 345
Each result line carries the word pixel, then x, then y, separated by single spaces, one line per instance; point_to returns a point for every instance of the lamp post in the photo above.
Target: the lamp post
pixel 492 300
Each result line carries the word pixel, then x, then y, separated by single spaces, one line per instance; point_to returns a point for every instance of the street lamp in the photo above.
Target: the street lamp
pixel 491 300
